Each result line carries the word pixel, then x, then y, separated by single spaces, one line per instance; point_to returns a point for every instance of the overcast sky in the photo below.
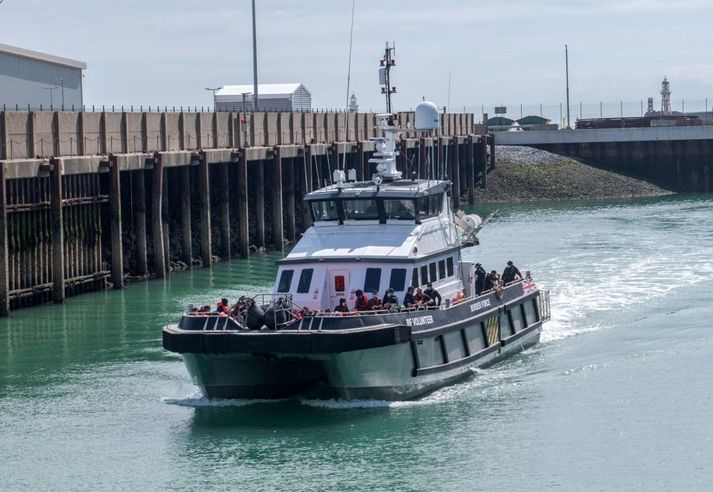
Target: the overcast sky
pixel 511 52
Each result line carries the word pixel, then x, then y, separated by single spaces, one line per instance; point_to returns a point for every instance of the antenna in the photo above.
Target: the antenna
pixel 384 73
pixel 346 108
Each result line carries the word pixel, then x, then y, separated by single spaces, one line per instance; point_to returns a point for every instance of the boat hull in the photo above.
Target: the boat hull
pixel 415 354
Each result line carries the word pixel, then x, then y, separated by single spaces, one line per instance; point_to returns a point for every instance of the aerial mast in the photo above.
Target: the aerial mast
pixel 384 77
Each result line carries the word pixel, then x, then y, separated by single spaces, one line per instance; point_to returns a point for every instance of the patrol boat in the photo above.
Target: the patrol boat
pixel 390 232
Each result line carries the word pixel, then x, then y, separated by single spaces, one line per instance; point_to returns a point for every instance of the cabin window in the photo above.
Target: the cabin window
pixel 400 209
pixel 449 266
pixel 424 274
pixel 285 281
pixel 325 210
pixel 339 283
pixel 398 279
pixel 414 278
pixel 372 280
pixel 361 209
pixel 305 281
pixel 430 206
pixel 442 269
pixel 432 272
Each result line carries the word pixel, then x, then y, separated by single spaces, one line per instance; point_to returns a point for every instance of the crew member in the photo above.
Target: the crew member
pixel 431 295
pixel 480 275
pixel 491 281
pixel 511 273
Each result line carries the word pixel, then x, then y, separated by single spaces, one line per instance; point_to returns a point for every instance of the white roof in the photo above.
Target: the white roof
pixel 263 89
pixel 44 57
pixel 373 241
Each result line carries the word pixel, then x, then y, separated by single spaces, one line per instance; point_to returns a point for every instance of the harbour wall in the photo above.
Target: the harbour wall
pixel 92 200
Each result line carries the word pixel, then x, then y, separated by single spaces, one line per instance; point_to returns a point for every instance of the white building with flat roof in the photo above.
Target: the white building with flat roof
pixel 34 79
pixel 271 97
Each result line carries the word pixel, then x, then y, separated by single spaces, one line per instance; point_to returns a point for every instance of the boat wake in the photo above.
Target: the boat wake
pixel 582 297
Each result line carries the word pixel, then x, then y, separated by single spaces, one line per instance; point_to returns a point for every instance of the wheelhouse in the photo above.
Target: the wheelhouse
pixel 400 200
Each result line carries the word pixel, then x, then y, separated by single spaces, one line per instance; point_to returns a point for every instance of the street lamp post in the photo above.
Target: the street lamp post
pixel 51 89
pixel 566 65
pixel 213 90
pixel 245 117
pixel 61 81
pixel 255 94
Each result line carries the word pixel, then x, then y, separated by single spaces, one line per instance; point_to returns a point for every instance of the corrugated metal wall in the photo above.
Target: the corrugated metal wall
pixel 301 100
pixel 22 81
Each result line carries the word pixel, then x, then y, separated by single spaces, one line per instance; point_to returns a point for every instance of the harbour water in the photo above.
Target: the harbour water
pixel 616 397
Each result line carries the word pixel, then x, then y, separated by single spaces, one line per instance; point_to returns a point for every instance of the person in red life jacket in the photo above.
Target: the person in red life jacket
pixel 222 307
pixel 418 297
pixel 375 302
pixel 361 303
pixel 342 307
pixel 460 297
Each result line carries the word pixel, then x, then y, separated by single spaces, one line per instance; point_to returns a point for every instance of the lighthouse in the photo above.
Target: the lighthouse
pixel 665 97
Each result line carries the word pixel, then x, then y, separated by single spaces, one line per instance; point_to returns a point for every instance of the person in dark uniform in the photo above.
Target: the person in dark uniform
pixel 511 273
pixel 480 275
pixel 491 281
pixel 409 300
pixel 431 295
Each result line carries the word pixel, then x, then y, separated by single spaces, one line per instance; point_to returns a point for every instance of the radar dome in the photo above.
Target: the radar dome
pixel 427 117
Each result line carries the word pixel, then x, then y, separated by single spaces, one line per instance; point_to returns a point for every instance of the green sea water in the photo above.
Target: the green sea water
pixel 618 396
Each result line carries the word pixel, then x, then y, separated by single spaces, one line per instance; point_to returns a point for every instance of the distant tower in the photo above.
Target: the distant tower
pixel 650 107
pixel 353 106
pixel 665 97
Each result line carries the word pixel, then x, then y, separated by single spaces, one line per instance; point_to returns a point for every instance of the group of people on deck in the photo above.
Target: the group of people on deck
pixel 485 281
pixel 414 298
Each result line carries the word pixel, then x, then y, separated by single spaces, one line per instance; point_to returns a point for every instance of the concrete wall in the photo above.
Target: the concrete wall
pixel 25 135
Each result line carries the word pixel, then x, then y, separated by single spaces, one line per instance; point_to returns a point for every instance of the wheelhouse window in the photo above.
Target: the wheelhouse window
pixel 432 272
pixel 442 269
pixel 361 209
pixel 414 278
pixel 424 274
pixel 449 266
pixel 400 209
pixel 430 206
pixel 285 281
pixel 398 279
pixel 325 210
pixel 305 281
pixel 372 280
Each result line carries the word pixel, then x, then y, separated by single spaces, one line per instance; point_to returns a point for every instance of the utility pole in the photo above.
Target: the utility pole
pixel 51 89
pixel 566 65
pixel 213 90
pixel 255 94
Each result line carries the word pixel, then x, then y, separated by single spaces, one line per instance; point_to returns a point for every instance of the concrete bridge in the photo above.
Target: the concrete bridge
pixel 679 158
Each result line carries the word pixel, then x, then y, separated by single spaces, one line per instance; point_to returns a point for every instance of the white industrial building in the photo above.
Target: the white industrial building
pixel 30 78
pixel 271 97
